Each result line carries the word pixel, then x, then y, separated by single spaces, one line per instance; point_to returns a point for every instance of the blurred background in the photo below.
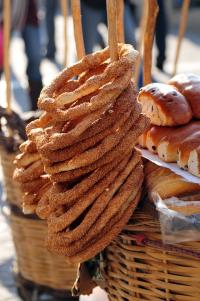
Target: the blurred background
pixel 37 44
pixel 37 54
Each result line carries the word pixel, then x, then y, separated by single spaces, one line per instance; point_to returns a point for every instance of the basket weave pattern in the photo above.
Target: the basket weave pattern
pixel 139 273
pixel 11 188
pixel 34 261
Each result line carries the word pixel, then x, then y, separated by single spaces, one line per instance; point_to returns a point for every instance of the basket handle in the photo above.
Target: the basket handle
pixel 6 44
pixel 182 28
pixel 78 31
pixel 142 240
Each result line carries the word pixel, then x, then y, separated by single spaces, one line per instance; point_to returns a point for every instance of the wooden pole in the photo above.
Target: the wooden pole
pixel 182 28
pixel 112 28
pixel 120 21
pixel 148 39
pixel 143 22
pixel 64 9
pixel 78 31
pixel 6 44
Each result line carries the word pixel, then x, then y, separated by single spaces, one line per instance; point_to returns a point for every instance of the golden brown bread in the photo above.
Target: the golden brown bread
pixel 168 146
pixel 189 144
pixel 189 86
pixel 166 183
pixel 164 105
pixel 155 134
pixel 142 140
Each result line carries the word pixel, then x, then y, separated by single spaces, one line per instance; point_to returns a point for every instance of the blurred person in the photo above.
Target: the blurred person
pixel 51 7
pixel 94 13
pixel 24 18
pixel 1 49
pixel 161 34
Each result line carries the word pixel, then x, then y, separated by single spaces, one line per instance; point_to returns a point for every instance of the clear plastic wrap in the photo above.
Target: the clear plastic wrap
pixel 179 220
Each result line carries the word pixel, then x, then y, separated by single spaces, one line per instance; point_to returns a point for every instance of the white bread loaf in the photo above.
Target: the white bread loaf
pixel 194 162
pixel 189 144
pixel 168 146
pixel 166 183
pixel 189 86
pixel 164 105
pixel 154 135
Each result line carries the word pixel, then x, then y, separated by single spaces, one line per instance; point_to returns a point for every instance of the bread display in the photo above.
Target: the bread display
pixel 175 133
pixel 166 183
pixel 189 86
pixel 164 105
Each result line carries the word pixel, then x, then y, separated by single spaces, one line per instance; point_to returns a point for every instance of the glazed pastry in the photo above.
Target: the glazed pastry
pixel 189 86
pixel 164 105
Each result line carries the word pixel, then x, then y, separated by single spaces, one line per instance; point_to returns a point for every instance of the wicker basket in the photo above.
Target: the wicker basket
pixel 139 273
pixel 11 188
pixel 34 262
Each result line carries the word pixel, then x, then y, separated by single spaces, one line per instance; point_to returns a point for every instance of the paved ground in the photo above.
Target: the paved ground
pixel 189 62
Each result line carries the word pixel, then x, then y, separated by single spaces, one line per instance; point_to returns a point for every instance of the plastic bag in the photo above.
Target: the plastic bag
pixel 179 220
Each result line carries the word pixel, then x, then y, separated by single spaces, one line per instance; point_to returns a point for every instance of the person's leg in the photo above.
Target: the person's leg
pixel 161 33
pixel 31 38
pixel 90 19
pixel 51 7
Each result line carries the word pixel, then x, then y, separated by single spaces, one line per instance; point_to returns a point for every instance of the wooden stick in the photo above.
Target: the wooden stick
pixel 64 9
pixel 182 28
pixel 112 28
pixel 148 40
pixel 120 21
pixel 143 22
pixel 6 44
pixel 78 31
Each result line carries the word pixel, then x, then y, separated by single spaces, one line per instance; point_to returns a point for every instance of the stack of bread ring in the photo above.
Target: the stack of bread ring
pixel 30 174
pixel 86 138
